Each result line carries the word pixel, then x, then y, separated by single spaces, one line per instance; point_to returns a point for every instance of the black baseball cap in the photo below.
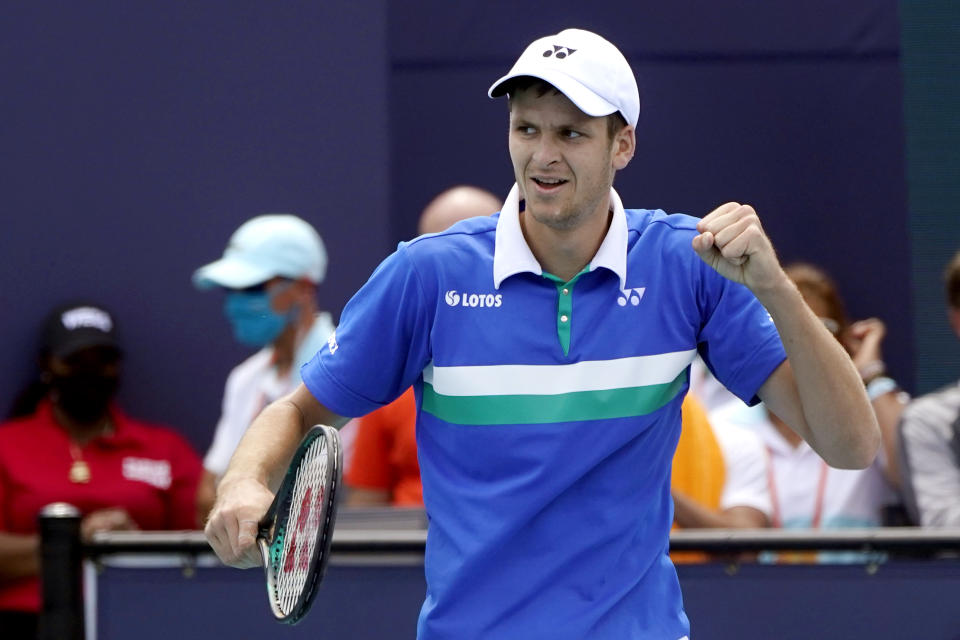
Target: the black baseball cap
pixel 72 327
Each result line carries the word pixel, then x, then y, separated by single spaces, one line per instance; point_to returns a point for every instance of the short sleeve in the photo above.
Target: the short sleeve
pixel 738 339
pixel 381 344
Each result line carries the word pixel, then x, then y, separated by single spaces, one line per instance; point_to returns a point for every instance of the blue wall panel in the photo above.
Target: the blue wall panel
pixel 894 601
pixel 135 137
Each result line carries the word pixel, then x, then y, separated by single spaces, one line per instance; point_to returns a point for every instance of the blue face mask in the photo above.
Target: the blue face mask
pixel 254 321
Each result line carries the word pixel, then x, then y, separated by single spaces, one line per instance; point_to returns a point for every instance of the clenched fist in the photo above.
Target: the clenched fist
pixel 733 242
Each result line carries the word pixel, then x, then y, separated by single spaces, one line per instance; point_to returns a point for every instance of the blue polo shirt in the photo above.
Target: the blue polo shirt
pixel 548 414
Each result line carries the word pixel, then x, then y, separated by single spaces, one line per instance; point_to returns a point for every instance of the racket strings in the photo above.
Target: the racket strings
pixel 307 515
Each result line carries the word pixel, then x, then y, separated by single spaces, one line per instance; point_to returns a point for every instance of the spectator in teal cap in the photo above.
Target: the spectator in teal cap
pixel 269 271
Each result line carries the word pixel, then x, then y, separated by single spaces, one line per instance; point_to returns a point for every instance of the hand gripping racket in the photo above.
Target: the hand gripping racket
pixel 294 535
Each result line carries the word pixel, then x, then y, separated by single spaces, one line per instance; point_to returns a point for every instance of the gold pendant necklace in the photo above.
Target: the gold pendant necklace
pixel 79 469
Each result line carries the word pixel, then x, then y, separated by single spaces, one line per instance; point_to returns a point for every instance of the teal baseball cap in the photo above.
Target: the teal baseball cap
pixel 265 247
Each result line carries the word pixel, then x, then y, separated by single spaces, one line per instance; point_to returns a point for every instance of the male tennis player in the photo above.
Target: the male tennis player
pixel 549 347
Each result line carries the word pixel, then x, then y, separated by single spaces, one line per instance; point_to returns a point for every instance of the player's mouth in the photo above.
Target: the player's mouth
pixel 548 185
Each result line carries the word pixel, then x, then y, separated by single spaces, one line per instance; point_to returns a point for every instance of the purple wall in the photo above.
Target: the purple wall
pixel 136 137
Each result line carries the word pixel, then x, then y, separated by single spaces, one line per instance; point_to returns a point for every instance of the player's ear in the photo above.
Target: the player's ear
pixel 624 146
pixel 305 288
pixel 954 314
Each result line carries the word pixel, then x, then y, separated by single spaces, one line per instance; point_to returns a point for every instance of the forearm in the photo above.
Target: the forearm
pixel 19 555
pixel 268 444
pixel 692 515
pixel 266 447
pixel 835 416
pixel 255 472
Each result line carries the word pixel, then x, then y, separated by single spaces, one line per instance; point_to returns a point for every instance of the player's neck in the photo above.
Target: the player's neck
pixel 565 252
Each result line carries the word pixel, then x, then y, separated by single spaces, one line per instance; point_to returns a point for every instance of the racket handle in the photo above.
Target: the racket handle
pixel 264 550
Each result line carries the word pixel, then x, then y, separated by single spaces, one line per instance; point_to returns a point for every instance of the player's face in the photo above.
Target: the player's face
pixel 563 159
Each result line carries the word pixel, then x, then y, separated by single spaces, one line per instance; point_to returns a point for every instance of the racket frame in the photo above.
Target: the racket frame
pixel 280 506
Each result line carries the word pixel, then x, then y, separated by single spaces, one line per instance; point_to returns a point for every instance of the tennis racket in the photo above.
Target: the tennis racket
pixel 294 536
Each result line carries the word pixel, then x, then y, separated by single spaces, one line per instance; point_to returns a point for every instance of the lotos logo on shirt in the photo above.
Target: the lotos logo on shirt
pixel 455 299
pixel 153 472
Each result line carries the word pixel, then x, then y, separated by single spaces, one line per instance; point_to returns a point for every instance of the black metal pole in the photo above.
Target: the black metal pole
pixel 61 555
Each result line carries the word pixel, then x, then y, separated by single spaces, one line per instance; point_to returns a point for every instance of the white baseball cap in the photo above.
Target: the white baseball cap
pixel 266 247
pixel 586 68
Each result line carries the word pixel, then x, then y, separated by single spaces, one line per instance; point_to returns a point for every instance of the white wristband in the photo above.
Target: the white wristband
pixel 880 386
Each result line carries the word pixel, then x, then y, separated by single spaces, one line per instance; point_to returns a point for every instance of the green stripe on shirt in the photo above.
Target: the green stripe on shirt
pixel 551 408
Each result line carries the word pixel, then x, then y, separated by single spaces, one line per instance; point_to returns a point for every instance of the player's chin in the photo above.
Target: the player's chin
pixel 556 218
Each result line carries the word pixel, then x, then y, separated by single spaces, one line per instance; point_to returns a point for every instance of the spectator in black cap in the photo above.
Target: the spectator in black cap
pixel 79 364
pixel 67 441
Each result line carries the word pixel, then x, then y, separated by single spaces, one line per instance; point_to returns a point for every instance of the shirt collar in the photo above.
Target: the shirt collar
pixel 512 255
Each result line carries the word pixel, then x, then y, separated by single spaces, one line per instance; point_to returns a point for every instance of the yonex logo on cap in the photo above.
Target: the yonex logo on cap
pixel 89 317
pixel 633 295
pixel 455 299
pixel 559 52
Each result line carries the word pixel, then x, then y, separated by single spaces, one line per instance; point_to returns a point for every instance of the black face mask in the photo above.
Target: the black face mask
pixel 84 397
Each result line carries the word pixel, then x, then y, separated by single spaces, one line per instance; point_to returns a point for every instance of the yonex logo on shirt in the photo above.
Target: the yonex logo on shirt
pixel 455 299
pixel 633 295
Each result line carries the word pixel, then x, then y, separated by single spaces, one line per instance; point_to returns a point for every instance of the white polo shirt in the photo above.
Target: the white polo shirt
pixel 745 463
pixel 251 386
pixel 802 485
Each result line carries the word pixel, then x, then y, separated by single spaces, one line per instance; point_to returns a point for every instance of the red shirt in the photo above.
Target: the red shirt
pixel 150 471
pixel 385 452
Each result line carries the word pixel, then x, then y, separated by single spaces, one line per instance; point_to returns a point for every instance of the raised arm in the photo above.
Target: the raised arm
pixel 255 472
pixel 817 391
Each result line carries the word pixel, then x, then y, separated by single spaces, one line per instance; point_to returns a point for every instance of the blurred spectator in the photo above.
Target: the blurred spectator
pixel 383 469
pixel 719 476
pixel 68 442
pixel 456 204
pixel 270 270
pixel 930 439
pixel 805 491
pixel 707 389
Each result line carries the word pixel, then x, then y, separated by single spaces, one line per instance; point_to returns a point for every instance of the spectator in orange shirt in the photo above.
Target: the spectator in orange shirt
pixel 383 469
